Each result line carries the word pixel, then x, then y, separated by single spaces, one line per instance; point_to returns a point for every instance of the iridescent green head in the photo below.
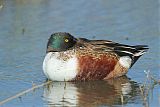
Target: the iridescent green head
pixel 60 41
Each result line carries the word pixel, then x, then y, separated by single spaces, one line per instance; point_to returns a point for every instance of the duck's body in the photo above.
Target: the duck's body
pixel 83 59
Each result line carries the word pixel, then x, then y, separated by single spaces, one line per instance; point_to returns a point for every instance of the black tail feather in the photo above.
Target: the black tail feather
pixel 141 49
pixel 133 52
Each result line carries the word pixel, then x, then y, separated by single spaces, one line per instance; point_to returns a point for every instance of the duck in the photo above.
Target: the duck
pixel 79 59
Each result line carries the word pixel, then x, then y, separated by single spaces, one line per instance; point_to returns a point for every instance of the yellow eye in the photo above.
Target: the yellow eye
pixel 66 40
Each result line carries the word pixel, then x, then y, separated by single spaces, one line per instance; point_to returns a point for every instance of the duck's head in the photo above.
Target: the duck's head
pixel 60 41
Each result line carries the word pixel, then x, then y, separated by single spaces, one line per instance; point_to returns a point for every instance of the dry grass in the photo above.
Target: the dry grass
pixel 34 86
pixel 147 87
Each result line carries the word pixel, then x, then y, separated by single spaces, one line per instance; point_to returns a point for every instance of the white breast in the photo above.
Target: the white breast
pixel 59 70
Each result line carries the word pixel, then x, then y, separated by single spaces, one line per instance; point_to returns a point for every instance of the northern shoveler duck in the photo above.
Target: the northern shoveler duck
pixel 70 59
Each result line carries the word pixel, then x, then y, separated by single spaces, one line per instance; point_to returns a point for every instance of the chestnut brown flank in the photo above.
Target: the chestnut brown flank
pixel 95 68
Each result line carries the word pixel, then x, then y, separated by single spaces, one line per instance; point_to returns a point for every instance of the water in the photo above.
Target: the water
pixel 97 93
pixel 25 26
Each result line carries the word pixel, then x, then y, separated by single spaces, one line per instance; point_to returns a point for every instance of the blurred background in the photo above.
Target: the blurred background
pixel 26 25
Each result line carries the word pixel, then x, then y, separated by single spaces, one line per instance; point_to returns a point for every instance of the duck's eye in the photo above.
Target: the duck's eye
pixel 66 40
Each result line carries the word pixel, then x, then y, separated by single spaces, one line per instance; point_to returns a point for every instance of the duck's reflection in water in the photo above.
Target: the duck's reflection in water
pixel 92 93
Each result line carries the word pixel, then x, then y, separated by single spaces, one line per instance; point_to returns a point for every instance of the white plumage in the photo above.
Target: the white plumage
pixel 58 69
pixel 125 61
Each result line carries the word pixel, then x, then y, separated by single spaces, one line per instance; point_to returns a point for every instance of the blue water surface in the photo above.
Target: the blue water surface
pixel 25 26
